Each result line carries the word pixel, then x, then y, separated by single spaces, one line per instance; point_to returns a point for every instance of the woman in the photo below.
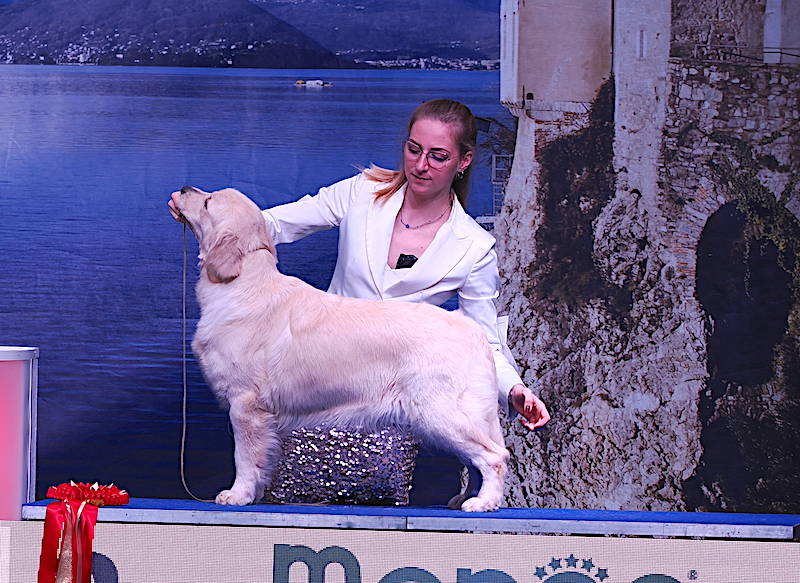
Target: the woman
pixel 404 235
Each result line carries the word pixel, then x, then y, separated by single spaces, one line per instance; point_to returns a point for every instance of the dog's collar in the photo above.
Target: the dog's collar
pixel 201 257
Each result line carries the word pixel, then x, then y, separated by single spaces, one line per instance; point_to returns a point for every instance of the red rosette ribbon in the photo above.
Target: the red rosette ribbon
pixel 69 530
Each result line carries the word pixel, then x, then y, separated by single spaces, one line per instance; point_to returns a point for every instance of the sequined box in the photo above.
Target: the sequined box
pixel 335 466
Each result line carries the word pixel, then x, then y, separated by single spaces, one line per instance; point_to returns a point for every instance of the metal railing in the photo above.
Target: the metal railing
pixel 737 53
pixel 501 171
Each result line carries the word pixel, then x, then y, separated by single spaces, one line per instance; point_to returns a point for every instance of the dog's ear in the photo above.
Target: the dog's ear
pixel 223 261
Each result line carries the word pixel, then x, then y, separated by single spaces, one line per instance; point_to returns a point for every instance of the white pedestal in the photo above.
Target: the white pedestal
pixel 18 383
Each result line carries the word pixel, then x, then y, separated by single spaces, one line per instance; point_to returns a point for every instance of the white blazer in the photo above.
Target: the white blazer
pixel 461 258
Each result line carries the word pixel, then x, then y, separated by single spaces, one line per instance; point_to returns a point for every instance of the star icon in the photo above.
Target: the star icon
pixel 571 561
pixel 602 574
pixel 587 564
pixel 540 572
pixel 555 563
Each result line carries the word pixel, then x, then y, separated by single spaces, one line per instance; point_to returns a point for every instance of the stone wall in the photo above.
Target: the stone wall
pixel 729 188
pixel 758 105
pixel 736 25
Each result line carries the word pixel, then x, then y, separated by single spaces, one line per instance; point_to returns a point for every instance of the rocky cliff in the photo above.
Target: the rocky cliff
pixel 661 327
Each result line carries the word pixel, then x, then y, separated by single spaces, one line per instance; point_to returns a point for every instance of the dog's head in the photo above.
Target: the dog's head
pixel 228 226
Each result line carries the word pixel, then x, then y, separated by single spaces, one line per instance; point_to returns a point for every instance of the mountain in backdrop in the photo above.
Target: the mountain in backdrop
pixel 155 32
pixel 375 29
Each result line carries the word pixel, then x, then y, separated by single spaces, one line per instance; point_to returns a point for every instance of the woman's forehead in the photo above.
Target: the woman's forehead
pixel 432 133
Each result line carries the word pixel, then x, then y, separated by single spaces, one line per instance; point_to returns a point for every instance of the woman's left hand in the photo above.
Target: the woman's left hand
pixel 533 411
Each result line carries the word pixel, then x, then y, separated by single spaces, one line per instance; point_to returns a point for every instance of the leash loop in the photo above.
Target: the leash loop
pixel 183 371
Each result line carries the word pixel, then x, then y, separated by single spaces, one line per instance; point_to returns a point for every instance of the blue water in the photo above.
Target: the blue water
pixel 91 260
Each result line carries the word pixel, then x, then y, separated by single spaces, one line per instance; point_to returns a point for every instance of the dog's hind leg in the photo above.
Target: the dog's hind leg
pixel 492 463
pixel 257 447
pixel 474 476
pixel 481 445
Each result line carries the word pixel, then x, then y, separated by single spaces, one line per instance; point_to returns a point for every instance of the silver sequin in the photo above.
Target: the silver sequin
pixel 335 466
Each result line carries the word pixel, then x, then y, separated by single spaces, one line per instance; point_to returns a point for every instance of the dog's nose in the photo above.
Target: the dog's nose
pixel 187 189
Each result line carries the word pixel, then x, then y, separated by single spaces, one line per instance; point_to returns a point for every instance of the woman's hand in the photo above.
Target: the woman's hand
pixel 533 411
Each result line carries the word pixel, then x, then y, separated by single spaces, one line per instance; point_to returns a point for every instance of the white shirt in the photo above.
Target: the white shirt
pixel 460 259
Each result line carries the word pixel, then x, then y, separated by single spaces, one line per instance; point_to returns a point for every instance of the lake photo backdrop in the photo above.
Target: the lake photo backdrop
pixel 92 260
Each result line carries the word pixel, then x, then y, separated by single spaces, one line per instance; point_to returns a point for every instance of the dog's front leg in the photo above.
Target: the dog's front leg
pixel 256 446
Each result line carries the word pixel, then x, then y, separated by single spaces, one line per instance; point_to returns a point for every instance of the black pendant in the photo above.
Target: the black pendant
pixel 405 261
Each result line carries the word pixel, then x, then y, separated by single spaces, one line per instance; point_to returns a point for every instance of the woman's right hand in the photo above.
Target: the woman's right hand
pixel 532 409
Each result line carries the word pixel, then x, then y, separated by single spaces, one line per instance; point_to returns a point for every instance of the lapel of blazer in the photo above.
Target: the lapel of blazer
pixel 378 234
pixel 448 247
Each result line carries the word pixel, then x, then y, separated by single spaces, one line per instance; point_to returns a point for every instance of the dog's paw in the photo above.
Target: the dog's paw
pixel 233 498
pixel 477 504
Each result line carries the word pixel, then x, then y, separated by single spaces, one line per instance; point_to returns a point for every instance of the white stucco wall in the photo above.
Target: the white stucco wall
pixel 562 50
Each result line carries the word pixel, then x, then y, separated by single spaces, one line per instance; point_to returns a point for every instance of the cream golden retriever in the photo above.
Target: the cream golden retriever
pixel 281 354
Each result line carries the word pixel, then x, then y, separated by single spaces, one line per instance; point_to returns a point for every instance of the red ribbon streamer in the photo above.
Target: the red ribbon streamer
pixel 73 518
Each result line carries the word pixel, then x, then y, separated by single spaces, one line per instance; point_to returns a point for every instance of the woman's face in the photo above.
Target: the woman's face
pixel 431 158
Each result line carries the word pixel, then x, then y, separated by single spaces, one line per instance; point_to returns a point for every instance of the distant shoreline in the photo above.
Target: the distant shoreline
pixel 354 66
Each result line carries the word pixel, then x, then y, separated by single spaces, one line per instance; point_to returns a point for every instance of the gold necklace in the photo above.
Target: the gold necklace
pixel 408 226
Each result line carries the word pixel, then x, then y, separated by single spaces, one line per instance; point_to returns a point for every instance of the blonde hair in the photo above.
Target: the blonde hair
pixel 448 112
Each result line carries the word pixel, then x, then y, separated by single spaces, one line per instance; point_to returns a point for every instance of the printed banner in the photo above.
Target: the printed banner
pixel 144 553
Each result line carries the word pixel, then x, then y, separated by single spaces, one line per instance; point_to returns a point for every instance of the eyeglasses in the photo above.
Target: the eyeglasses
pixel 436 158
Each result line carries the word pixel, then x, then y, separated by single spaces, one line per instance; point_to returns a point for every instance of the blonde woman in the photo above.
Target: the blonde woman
pixel 404 235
